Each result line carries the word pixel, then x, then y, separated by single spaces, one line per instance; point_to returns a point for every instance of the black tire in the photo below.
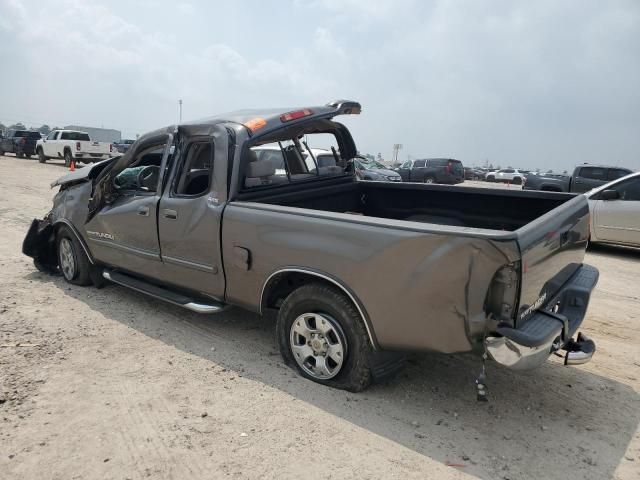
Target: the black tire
pixel 1 152
pixel 491 178
pixel 355 373
pixel 429 180
pixel 41 157
pixel 81 265
pixel 517 181
pixel 28 155
pixel 19 154
pixel 67 158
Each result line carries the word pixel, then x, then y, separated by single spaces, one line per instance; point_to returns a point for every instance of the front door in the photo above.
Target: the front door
pixel 189 218
pixel 618 220
pixel 123 233
pixel 405 171
pixel 48 144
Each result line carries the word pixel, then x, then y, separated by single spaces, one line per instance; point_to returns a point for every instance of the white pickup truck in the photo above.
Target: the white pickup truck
pixel 72 145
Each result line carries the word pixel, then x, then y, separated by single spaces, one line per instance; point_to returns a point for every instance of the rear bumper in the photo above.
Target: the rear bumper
pixel 546 331
pixel 92 156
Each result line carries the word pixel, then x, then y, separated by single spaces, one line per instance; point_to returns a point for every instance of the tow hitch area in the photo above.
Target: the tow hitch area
pixel 579 351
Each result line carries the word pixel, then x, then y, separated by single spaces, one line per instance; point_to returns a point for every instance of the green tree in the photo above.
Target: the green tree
pixel 17 126
pixel 45 129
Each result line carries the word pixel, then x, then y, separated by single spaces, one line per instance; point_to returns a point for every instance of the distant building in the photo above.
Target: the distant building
pixel 98 134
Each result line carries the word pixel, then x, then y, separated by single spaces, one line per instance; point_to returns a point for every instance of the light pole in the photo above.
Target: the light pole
pixel 180 110
pixel 396 150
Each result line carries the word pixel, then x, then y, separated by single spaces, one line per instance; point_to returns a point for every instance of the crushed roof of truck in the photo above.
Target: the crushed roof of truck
pixel 269 116
pixel 263 121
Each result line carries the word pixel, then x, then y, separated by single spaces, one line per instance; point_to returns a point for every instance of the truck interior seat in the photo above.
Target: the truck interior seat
pixel 327 166
pixel 258 173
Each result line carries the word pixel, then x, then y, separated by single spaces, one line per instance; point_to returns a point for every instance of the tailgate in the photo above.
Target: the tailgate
pixel 94 147
pixel 552 248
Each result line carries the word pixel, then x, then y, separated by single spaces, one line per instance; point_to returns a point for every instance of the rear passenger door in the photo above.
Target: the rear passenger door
pixel 588 178
pixel 418 170
pixel 189 218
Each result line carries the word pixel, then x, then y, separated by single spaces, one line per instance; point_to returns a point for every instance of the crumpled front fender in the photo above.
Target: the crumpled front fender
pixel 39 244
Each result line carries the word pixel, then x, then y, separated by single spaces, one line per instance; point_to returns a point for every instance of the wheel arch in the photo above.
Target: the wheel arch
pixel 64 222
pixel 285 280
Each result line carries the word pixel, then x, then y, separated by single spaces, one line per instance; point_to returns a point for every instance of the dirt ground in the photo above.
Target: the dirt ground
pixel 111 384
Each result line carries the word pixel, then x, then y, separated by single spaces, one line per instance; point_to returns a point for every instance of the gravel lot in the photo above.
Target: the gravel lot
pixel 111 384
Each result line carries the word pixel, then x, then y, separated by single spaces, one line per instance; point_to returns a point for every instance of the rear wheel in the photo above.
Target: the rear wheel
pixel 429 180
pixel 28 155
pixel 41 157
pixel 322 335
pixel 491 178
pixel 1 152
pixel 72 260
pixel 517 180
pixel 67 158
pixel 19 154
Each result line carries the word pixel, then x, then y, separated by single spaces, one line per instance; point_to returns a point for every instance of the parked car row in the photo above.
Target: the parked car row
pixel 22 143
pixel 70 145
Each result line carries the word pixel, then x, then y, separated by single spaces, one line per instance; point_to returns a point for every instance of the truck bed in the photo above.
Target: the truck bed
pixel 466 235
pixel 493 209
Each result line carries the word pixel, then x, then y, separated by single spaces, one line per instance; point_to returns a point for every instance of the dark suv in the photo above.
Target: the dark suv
pixel 432 170
pixel 20 142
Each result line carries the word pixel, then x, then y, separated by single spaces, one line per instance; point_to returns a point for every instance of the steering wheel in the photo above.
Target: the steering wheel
pixel 148 178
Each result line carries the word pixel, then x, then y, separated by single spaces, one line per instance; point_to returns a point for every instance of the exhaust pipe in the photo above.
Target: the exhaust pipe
pixel 579 351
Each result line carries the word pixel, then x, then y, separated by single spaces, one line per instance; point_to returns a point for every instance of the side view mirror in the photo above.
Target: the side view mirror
pixel 609 195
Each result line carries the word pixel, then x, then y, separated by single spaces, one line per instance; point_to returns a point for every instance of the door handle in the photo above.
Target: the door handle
pixel 170 214
pixel 144 211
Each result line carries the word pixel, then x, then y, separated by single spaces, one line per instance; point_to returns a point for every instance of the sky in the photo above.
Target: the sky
pixel 532 84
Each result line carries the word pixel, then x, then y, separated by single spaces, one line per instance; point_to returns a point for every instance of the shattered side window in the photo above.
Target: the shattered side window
pixel 293 160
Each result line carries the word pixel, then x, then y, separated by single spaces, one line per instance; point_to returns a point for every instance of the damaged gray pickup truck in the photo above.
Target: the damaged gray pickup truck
pixel 238 210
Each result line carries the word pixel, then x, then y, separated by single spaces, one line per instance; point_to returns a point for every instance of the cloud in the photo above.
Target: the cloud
pixel 531 84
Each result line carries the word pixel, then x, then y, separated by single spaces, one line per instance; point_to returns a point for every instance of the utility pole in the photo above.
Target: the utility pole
pixel 180 109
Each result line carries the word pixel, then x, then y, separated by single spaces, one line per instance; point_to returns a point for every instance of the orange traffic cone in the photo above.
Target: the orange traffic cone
pixel 72 167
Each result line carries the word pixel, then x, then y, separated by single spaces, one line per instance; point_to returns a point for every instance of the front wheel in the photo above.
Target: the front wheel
pixel 322 335
pixel 41 157
pixel 429 180
pixel 73 262
pixel 517 181
pixel 491 178
pixel 28 155
pixel 67 158
pixel 19 154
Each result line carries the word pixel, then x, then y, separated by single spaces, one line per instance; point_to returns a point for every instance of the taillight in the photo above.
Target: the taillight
pixel 78 146
pixel 448 168
pixel 287 117
pixel 110 147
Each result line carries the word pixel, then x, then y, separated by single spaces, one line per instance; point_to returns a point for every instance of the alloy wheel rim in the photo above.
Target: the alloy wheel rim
pixel 318 345
pixel 67 259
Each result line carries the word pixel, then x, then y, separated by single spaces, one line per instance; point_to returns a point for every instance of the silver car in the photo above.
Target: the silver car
pixel 615 211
